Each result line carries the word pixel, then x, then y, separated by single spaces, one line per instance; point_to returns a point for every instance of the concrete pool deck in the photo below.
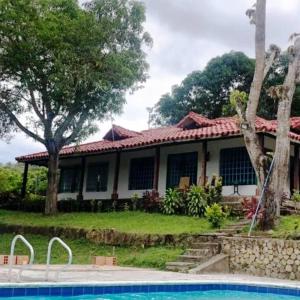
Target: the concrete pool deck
pixel 82 274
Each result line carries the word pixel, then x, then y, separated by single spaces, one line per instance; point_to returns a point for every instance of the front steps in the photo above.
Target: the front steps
pixel 193 257
pixel 236 228
pixel 204 256
pixel 216 264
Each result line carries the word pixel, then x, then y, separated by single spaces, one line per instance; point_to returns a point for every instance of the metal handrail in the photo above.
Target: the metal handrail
pixel 12 250
pixel 261 198
pixel 49 256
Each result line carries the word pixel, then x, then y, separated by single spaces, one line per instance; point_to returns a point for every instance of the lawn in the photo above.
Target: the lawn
pixel 153 257
pixel 289 225
pixel 131 222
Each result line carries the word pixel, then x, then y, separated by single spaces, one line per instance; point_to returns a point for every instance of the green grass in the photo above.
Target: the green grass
pixel 131 222
pixel 289 225
pixel 153 257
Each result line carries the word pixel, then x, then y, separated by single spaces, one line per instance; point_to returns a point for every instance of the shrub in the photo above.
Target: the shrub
pixel 250 206
pixel 172 202
pixel 33 203
pixel 214 190
pixel 296 196
pixel 215 215
pixel 196 200
pixel 134 201
pixel 151 201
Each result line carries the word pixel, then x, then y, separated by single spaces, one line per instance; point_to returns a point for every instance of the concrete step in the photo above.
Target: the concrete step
pixel 216 264
pixel 198 252
pixel 179 266
pixel 229 231
pixel 214 248
pixel 192 258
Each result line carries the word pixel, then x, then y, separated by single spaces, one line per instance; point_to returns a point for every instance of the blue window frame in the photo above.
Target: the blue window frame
pixel 181 165
pixel 236 167
pixel 69 179
pixel 141 173
pixel 97 177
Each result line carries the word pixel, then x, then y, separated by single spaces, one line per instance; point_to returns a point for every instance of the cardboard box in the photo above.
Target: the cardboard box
pixel 17 259
pixel 104 260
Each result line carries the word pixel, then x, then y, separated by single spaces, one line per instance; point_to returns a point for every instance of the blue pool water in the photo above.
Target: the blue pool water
pixel 204 295
pixel 174 291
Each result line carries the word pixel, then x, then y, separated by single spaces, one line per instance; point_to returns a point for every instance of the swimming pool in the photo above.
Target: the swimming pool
pixel 214 291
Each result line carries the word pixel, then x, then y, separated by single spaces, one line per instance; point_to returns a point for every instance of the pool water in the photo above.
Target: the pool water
pixel 202 295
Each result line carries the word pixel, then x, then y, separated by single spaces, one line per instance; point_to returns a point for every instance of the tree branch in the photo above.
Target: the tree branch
pixel 260 33
pixel 20 125
pixel 35 107
pixel 63 127
pixel 75 132
pixel 275 51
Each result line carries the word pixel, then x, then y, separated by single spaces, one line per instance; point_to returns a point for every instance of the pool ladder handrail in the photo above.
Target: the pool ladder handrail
pixel 12 251
pixel 64 245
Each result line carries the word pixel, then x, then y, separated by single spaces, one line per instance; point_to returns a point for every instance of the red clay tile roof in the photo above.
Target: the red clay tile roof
pixel 216 128
pixel 198 119
pixel 120 132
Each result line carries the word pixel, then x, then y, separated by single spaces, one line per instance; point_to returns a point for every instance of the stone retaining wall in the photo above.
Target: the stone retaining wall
pixel 263 257
pixel 110 236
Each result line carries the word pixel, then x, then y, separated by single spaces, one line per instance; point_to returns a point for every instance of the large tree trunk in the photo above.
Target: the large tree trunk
pixel 278 186
pixel 51 196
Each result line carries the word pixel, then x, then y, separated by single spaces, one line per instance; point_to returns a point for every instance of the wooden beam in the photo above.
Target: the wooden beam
pixel 24 182
pixel 156 168
pixel 296 167
pixel 81 183
pixel 115 195
pixel 203 164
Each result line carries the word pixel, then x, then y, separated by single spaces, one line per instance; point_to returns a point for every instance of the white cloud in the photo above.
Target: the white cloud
pixel 186 34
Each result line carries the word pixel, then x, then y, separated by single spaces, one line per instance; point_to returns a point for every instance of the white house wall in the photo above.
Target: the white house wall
pixel 213 147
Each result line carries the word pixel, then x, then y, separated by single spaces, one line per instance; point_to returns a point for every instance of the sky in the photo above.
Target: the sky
pixel 186 35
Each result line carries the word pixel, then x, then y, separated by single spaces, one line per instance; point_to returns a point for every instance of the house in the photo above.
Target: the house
pixel 127 162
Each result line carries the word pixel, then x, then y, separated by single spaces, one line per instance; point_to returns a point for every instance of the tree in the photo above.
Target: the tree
pixel 63 66
pixel 247 107
pixel 208 92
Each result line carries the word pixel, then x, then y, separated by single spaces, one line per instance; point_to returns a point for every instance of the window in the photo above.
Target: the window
pixel 181 165
pixel 236 167
pixel 141 173
pixel 97 177
pixel 69 179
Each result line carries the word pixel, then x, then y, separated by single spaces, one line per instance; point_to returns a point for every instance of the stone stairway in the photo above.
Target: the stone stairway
pixel 235 228
pixel 196 255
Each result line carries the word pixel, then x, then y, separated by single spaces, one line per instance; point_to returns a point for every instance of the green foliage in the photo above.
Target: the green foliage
pixel 196 200
pixel 238 98
pixel 134 201
pixel 11 179
pixel 172 202
pixel 207 92
pixel 68 65
pixel 215 215
pixel 37 180
pixel 69 77
pixel 296 196
pixel 214 190
pixel 33 203
pixel 126 207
